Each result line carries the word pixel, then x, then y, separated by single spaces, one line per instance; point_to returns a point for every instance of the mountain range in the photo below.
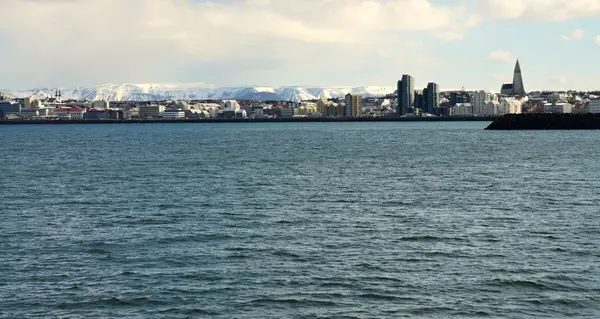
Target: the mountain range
pixel 198 91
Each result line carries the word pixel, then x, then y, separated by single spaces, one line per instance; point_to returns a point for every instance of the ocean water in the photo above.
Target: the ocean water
pixel 292 220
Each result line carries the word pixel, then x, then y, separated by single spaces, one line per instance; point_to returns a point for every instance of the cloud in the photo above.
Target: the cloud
pixel 503 56
pixel 558 79
pixel 96 41
pixel 576 34
pixel 597 40
pixel 540 10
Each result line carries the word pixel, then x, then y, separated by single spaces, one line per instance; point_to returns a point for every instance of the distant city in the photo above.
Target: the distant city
pixel 406 101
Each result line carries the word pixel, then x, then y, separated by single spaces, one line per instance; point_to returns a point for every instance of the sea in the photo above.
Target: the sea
pixel 298 220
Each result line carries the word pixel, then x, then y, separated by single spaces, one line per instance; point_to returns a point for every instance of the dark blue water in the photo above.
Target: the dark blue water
pixel 340 220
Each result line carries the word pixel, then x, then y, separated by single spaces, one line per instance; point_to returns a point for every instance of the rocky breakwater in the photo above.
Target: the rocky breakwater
pixel 546 122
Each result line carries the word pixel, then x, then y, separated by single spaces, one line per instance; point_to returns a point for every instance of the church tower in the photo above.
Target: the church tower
pixel 518 87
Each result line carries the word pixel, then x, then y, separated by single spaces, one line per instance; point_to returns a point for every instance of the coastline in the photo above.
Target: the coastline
pixel 257 120
pixel 533 121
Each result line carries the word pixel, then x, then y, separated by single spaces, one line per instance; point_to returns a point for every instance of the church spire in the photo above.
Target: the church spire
pixel 518 86
pixel 517 67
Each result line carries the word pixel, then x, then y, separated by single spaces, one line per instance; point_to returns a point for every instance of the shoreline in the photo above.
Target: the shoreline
pixel 559 121
pixel 258 120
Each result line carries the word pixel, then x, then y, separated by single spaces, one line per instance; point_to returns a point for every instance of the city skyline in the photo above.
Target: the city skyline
pixel 454 43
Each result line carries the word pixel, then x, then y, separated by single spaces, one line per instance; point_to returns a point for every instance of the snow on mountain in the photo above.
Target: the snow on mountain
pixel 198 91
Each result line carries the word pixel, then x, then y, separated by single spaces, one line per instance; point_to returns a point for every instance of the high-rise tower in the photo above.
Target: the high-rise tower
pixel 518 87
pixel 406 94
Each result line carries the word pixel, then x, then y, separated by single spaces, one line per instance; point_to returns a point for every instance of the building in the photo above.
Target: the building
pixel 101 105
pixel 230 105
pixel 286 112
pixel 420 99
pixel 489 109
pixel 8 108
pixel 509 106
pixel 322 105
pixel 432 98
pixel 73 113
pixel 406 97
pixel 457 97
pixel 594 106
pixel 94 114
pixel 462 109
pixel 479 100
pixel 151 111
pixel 28 102
pixel 353 105
pixel 558 108
pixel 305 110
pixel 173 115
pixel 516 88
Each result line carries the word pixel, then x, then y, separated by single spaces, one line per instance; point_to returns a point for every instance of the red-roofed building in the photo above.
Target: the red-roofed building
pixel 73 113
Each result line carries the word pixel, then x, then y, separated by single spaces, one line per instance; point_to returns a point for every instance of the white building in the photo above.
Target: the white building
pixel 173 115
pixel 509 106
pixel 594 106
pixel 230 105
pixel 480 99
pixel 558 108
pixel 462 109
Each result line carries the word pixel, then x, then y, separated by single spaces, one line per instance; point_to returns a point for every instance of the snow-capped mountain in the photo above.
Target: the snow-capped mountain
pixel 198 91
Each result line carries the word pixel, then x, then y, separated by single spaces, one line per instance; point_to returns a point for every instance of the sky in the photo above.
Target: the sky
pixel 456 43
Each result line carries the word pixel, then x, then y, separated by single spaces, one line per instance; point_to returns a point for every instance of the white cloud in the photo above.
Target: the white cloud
pixel 96 41
pixel 540 10
pixel 576 34
pixel 597 40
pixel 503 56
pixel 558 79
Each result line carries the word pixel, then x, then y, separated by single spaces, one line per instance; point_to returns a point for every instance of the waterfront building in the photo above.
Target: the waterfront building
pixel 509 106
pixel 479 101
pixel 322 104
pixel 95 114
pixel 406 97
pixel 73 113
pixel 558 108
pixel 353 104
pixel 101 105
pixel 462 109
pixel 431 97
pixel 457 97
pixel 490 108
pixel 173 114
pixel 7 108
pixel 28 102
pixel 230 105
pixel 305 110
pixel 151 111
pixel 335 110
pixel 286 112
pixel 420 99
pixel 594 106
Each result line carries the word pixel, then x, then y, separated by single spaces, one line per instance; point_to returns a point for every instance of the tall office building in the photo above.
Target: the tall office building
pixel 406 95
pixel 432 98
pixel 353 105
pixel 420 99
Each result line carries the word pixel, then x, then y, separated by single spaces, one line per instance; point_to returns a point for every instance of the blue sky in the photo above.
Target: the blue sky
pixel 471 43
